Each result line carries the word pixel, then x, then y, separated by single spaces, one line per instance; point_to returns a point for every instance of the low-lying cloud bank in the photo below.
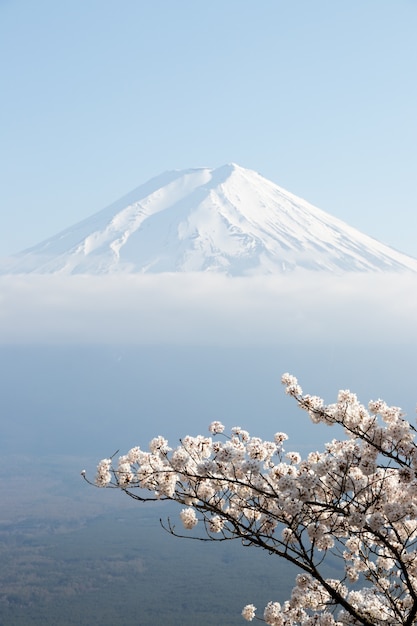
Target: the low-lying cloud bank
pixel 208 309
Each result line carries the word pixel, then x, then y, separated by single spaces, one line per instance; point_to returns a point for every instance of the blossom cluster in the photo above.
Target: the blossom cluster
pixel 356 500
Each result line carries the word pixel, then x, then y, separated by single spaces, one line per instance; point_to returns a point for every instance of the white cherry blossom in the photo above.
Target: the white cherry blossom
pixel 354 503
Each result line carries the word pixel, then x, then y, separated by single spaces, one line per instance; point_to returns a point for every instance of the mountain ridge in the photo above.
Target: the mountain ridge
pixel 227 220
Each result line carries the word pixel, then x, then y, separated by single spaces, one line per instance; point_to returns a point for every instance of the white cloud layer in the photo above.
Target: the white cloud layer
pixel 208 309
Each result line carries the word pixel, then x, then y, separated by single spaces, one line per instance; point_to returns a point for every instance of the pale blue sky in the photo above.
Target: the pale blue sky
pixel 98 96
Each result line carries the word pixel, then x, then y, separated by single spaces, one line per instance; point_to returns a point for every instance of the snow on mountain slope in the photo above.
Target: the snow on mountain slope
pixel 229 220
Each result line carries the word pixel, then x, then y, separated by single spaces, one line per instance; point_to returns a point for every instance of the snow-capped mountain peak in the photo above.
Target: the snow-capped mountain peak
pixel 229 220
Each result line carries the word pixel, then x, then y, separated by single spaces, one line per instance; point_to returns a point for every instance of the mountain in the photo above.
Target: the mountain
pixel 229 220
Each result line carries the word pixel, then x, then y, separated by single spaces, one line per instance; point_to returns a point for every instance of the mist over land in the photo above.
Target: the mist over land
pixel 207 309
pixel 117 358
pixel 95 364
